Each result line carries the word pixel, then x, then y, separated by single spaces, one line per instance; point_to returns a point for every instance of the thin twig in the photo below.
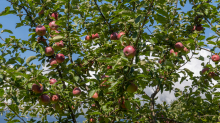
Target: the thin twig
pixel 2 38
pixel 145 19
pixel 28 14
pixel 15 112
pixel 102 15
pixel 207 19
pixel 186 61
pixel 174 12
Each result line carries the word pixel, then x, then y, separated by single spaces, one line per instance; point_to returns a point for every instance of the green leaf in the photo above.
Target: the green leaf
pixel 56 38
pixel 116 63
pixel 19 25
pixel 26 108
pixel 217 86
pixel 91 93
pixel 138 19
pixel 11 61
pixel 1 78
pixel 211 42
pixel 95 113
pixel 14 107
pixel 0 25
pixel 201 58
pixel 162 12
pixel 76 78
pixel 208 96
pixel 30 59
pixel 7 30
pixel 146 97
pixel 2 92
pixel 103 59
pixel 160 19
pixel 127 105
pixel 114 84
pixel 216 93
pixel 202 37
pixel 212 37
pixel 190 73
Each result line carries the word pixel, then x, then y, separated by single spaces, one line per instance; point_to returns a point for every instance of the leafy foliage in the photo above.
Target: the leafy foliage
pixel 104 56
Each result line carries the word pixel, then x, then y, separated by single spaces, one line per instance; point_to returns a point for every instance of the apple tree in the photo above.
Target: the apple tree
pixel 103 55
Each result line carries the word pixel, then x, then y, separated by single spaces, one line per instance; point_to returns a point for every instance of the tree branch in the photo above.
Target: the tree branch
pixel 152 103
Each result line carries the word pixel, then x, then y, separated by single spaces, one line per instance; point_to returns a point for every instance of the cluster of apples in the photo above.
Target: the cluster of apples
pixel 198 26
pixel 215 58
pixel 178 47
pixel 45 99
pixel 49 51
pixel 129 51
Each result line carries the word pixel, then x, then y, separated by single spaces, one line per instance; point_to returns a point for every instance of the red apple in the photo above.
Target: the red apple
pixel 94 36
pixel 60 58
pixel 160 61
pixel 129 52
pixel 179 46
pixel 172 51
pixel 215 58
pixel 95 96
pixel 120 34
pixel 54 15
pixel 109 67
pixel 186 50
pixel 44 99
pixel 132 88
pixel 114 36
pixel 76 91
pixel 53 62
pixel 92 120
pixel 88 38
pixel 194 28
pixel 199 28
pixel 40 30
pixel 49 51
pixel 204 70
pixel 59 45
pixel 53 26
pixel 52 81
pixel 41 39
pixel 93 106
pixel 37 88
pixel 54 98
pixel 41 12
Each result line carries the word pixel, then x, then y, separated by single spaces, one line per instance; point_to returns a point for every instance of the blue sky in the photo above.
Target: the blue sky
pixel 9 22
